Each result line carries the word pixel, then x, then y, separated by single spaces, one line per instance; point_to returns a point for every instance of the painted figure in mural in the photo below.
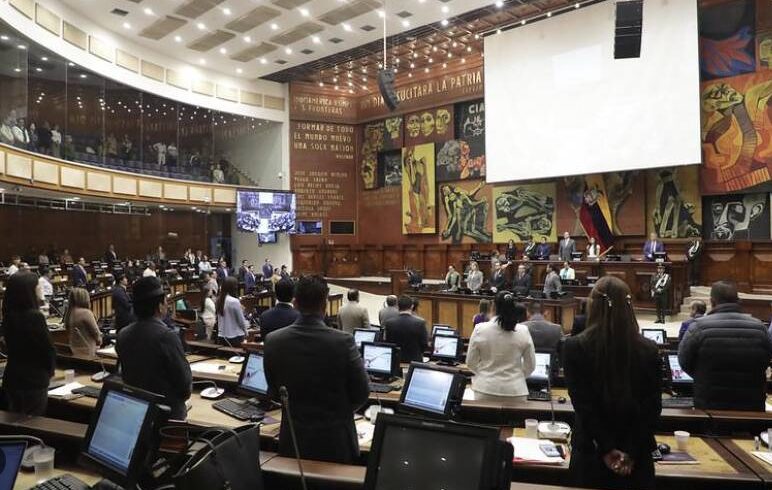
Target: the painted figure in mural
pixel 394 127
pixel 467 215
pixel 736 135
pixel 415 171
pixel 442 121
pixel 732 220
pixel 427 123
pixel 619 186
pixel 413 126
pixel 527 213
pixel 673 216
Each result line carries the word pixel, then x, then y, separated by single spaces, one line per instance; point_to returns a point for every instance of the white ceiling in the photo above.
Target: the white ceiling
pixel 219 13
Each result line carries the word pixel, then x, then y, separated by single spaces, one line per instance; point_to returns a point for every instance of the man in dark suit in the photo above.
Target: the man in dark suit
pixel 660 291
pixel 567 247
pixel 250 280
pixel 283 313
pixel 110 256
pixel 124 314
pixel 653 244
pixel 324 376
pixel 521 284
pixel 407 331
pixel 499 276
pixel 150 353
pixel 242 271
pixel 78 274
pixel 543 250
pixel 693 255
pixel 222 271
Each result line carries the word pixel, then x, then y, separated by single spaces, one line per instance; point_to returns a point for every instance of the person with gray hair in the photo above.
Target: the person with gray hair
pixel 389 310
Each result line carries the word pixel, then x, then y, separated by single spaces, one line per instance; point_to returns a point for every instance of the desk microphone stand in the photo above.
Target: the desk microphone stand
pixel 553 429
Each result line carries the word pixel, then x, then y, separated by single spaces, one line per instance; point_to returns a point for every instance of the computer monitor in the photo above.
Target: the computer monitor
pixel 12 454
pixel 658 335
pixel 678 376
pixel 381 359
pixel 366 335
pixel 252 381
pixel 409 452
pixel 432 390
pixel 437 327
pixel 123 436
pixel 446 348
pixel 540 376
pixel 660 256
pixel 576 255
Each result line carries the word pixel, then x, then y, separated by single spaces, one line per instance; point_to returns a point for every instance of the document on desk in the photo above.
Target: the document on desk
pixel 528 450
pixel 208 367
pixel 108 352
pixel 66 390
pixel 765 456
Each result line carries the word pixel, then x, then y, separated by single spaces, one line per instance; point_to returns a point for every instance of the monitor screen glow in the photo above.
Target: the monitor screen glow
pixel 117 430
pixel 445 346
pixel 377 359
pixel 364 336
pixel 265 212
pixel 254 376
pixel 429 390
pixel 677 375
pixel 543 363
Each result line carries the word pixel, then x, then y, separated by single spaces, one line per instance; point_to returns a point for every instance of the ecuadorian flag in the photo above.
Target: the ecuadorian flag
pixel 595 214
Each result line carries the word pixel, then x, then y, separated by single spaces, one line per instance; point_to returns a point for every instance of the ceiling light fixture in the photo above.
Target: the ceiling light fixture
pixel 405 23
pixel 263 61
pixel 576 5
pixel 223 51
pixel 274 26
pixel 148 11
pixel 38 69
pixel 445 9
pixel 201 26
pixel 177 39
pixel 346 27
pixel 316 40
pixel 522 22
pixel 44 58
pixel 202 61
pixel 381 14
pixel 226 11
pixel 549 14
pixel 4 37
pixel 321 84
pixel 288 50
pixel 304 12
pixel 247 39
pixel 426 70
pixel 434 48
pixel 239 71
pixel 499 4
pixel 83 75
pixel 444 22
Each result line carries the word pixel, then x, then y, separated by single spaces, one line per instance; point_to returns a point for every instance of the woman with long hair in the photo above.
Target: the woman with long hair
pixel 613 376
pixel 501 352
pixel 231 324
pixel 31 356
pixel 85 337
pixel 484 313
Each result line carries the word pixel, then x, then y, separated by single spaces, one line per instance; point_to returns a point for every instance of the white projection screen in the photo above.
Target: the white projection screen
pixel 558 103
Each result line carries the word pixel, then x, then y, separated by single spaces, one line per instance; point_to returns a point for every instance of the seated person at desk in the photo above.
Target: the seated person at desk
pixel 407 331
pixel 282 313
pixel 727 353
pixel 521 284
pixel 124 313
pixel 593 249
pixel 78 275
pixel 501 353
pixel 31 355
pixel 696 310
pixel 651 246
pixel 567 273
pixel 231 323
pixel 546 335
pixel 483 314
pixel 529 249
pixel 414 278
pixel 614 379
pixel 82 329
pixel 499 277
pixel 150 354
pixel 452 280
pixel 543 249
pixel 551 281
pixel 352 315
pixel 324 377
pixel 474 278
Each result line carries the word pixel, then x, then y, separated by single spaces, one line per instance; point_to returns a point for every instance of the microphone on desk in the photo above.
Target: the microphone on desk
pixel 213 392
pixel 553 429
pixel 284 394
pixel 104 373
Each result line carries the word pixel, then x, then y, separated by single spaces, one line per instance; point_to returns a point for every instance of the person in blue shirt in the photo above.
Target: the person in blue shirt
pixel 543 249
pixel 698 309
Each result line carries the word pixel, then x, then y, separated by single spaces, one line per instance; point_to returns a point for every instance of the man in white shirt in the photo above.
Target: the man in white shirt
pixel 14 267
pixel 149 271
pixel 160 148
pixel 44 282
pixel 567 273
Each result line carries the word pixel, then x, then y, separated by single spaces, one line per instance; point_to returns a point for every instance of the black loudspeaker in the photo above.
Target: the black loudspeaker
pixel 386 86
pixel 629 27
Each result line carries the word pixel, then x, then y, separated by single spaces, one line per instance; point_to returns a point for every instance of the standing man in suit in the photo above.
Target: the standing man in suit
pixel 267 270
pixel 545 334
pixel 124 314
pixel 653 244
pixel 499 276
pixel 250 280
pixel 222 271
pixel 110 256
pixel 407 331
pixel 660 288
pixel 452 279
pixel 283 313
pixel 79 277
pixel 567 247
pixel 693 256
pixel 529 250
pixel 324 376
pixel 242 270
pixel 353 315
pixel 552 282
pixel 521 285
pixel 543 249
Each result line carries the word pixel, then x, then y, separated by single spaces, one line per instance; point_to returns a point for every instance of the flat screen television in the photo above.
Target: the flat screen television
pixel 265 211
pixel 309 228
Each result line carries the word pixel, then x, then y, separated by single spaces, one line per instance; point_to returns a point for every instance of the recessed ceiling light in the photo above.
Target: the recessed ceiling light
pixel 44 58
pixel 445 9
pixel 202 61
pixel 364 79
pixel 226 11
pixel 522 22
pixel 274 26
pixel 263 61
pixel 239 71
pixel 223 51
pixel 431 60
pixel 335 79
pixel 316 39
pixel 412 65
pixel 364 69
pixel 549 14
pixel 463 60
pixel 71 63
pixel 381 14
pixel 576 5
pixel 405 23
pixel 288 50
pixel 434 48
pixel 21 46
pixel 498 31
pixel 454 44
pixel 177 39
pixel 304 12
pixel 346 27
pixel 410 75
pixel 444 22
pixel 444 65
pixel 321 84
pixel 83 75
pixel 499 4
pixel 469 49
pixel 201 26
pixel 247 39
pixel 415 55
pixel 477 36
pixel 17 70
pixel 148 11
pixel 336 87
pixel 4 37
pixel 350 84
pixel 450 55
pixel 38 69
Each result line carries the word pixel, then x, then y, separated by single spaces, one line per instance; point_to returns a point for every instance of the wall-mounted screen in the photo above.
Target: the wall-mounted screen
pixel 267 238
pixel 309 228
pixel 265 211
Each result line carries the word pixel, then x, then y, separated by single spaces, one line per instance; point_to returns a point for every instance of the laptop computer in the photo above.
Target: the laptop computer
pixel 11 456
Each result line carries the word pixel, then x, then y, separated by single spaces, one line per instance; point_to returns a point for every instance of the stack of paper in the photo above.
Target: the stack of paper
pixel 529 451
pixel 207 367
pixel 66 390
pixel 108 352
pixel 765 456
pixel 677 457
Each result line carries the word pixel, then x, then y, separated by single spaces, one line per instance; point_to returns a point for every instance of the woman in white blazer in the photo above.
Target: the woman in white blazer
pixel 501 352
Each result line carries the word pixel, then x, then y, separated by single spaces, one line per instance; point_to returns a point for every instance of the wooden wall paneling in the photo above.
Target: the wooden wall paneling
pixel 392 258
pixel 468 311
pixel 447 312
pixel 761 267
pixel 719 262
pixel 426 310
pixel 372 262
pixel 413 257
pixel 435 260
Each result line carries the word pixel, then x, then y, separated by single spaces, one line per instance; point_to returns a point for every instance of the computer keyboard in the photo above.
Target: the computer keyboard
pixel 678 402
pixel 381 387
pixel 64 482
pixel 539 396
pixel 239 410
pixel 89 391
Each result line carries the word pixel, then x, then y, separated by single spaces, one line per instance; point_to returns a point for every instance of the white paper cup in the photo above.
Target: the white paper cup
pixel 532 428
pixel 682 440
